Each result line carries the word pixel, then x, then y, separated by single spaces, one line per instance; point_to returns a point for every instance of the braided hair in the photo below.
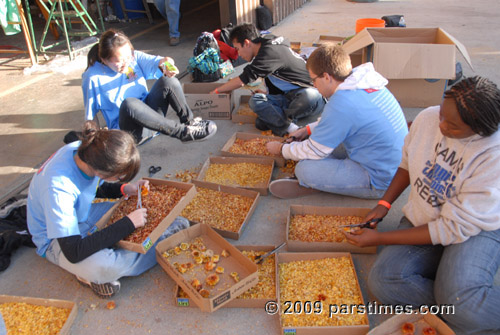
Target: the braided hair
pixel 111 152
pixel 478 103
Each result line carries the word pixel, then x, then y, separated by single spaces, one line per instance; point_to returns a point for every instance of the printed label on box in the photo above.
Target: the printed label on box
pixel 221 299
pixel 147 244
pixel 218 114
pixel 290 331
pixel 183 302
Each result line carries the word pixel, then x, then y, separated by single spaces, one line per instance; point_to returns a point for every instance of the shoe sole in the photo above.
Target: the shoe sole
pixel 289 189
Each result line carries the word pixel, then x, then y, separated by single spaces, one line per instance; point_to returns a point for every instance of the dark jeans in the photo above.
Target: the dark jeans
pixel 135 115
pixel 277 111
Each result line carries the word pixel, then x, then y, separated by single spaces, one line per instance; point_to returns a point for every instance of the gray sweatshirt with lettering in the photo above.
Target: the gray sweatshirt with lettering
pixel 455 187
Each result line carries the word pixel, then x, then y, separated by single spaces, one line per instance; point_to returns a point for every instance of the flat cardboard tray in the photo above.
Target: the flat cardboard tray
pixel 164 224
pixel 227 289
pixel 393 325
pixel 294 245
pixel 279 160
pixel 286 257
pixel 232 190
pixel 261 188
pixel 239 118
pixel 49 303
pixel 238 302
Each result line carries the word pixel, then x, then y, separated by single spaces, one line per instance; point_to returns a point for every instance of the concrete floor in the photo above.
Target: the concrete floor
pixel 36 111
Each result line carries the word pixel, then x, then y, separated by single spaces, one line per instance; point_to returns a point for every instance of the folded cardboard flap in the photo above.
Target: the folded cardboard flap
pixel 409 53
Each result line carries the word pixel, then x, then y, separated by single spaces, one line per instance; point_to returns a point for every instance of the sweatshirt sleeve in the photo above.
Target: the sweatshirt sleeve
pixel 90 93
pixel 75 248
pixel 149 65
pixel 475 208
pixel 308 149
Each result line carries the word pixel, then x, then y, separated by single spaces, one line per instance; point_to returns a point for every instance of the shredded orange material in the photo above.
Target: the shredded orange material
pixel 331 281
pixel 239 174
pixel 159 202
pixel 254 146
pixel 219 210
pixel 24 318
pixel 266 287
pixel 319 228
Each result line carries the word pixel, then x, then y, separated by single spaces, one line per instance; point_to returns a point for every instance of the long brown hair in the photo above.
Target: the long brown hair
pixel 110 41
pixel 110 152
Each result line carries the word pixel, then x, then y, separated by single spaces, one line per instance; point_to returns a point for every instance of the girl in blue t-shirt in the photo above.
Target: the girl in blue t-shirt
pixel 62 217
pixel 115 84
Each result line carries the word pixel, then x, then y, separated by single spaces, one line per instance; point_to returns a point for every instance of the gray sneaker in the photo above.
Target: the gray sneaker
pixel 198 130
pixel 104 291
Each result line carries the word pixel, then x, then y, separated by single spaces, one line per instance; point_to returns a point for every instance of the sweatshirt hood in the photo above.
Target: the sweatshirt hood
pixel 364 77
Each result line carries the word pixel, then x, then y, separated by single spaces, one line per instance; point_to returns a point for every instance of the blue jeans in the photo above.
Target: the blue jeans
pixel 277 111
pixel 135 114
pixel 109 264
pixel 337 174
pixel 169 9
pixel 459 274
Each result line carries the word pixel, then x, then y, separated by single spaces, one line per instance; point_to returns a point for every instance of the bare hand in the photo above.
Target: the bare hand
pixel 132 188
pixel 363 237
pixel 299 135
pixel 274 147
pixel 377 212
pixel 138 217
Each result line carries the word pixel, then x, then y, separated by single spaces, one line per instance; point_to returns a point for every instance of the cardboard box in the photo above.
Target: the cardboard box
pixel 261 188
pixel 294 245
pixel 227 288
pixel 287 257
pixel 394 324
pixel 356 56
pixel 49 303
pixel 232 190
pixel 240 118
pixel 416 57
pixel 279 160
pixel 238 302
pixel 164 224
pixel 206 105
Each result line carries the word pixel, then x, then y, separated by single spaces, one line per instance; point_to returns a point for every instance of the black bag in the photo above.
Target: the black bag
pixel 264 18
pixel 205 41
pixel 394 20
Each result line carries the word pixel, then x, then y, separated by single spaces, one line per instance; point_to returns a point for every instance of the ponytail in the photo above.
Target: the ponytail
pixel 111 152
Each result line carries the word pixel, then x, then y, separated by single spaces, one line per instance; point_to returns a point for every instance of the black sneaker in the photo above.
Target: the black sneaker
pixel 104 291
pixel 198 130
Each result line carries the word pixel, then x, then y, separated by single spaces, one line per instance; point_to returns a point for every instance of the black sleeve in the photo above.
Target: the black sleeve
pixel 75 248
pixel 109 190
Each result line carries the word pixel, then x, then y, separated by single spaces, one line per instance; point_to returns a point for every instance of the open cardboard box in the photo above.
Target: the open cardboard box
pixel 417 61
pixel 294 245
pixel 287 257
pixel 227 289
pixel 262 188
pixel 238 302
pixel 164 224
pixel 279 160
pixel 393 325
pixel 49 303
pixel 356 56
pixel 206 105
pixel 242 118
pixel 232 190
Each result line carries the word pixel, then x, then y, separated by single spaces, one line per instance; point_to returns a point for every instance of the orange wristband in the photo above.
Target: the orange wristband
pixel 309 132
pixel 216 91
pixel 385 204
pixel 121 189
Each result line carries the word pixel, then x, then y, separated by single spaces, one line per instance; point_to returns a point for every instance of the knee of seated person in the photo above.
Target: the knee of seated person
pixel 169 81
pixel 378 284
pixel 256 99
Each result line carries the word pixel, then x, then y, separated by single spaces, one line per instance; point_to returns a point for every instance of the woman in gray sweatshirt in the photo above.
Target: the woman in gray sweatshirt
pixel 447 248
